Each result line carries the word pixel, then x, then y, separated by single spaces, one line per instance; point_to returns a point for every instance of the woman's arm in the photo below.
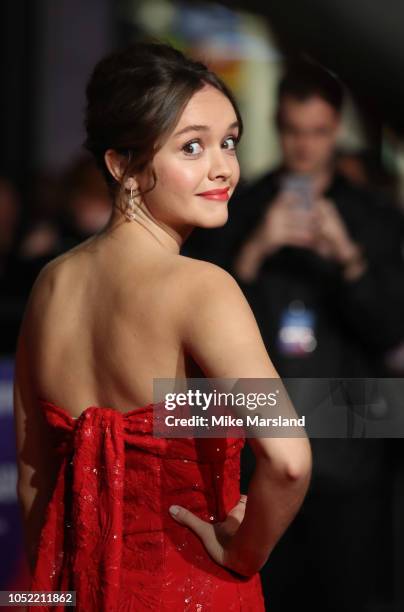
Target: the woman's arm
pixel 221 334
pixel 37 466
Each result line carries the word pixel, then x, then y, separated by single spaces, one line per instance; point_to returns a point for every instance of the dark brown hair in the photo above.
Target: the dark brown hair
pixel 135 98
pixel 304 80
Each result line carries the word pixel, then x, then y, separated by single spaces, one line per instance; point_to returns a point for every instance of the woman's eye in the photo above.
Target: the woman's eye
pixel 192 148
pixel 231 142
pixel 195 148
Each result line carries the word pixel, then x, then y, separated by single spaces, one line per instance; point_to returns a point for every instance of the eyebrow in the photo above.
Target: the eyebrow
pixel 202 128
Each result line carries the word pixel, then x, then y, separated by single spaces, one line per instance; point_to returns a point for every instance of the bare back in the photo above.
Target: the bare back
pixel 100 328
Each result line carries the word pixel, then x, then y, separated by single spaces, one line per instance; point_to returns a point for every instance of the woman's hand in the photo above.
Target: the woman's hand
pixel 216 537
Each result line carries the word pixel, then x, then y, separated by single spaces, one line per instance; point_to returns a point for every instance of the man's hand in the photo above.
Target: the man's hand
pixel 287 224
pixel 333 239
pixel 334 242
pixel 284 224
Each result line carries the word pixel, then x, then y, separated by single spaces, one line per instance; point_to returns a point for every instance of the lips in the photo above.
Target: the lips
pixel 216 194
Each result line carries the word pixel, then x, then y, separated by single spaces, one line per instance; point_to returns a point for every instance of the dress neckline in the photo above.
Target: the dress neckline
pixel 126 414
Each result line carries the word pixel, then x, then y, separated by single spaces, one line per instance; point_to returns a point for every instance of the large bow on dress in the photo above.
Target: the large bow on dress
pixel 81 540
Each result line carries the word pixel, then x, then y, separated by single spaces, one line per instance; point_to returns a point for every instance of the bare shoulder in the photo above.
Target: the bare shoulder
pixel 218 326
pixel 211 291
pixel 44 282
pixel 43 289
pixel 209 297
pixel 53 269
pixel 203 280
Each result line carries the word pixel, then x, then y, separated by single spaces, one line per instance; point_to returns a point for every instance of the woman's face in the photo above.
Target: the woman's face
pixel 197 168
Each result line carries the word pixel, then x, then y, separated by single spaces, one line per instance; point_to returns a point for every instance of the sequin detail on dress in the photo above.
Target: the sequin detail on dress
pixel 107 532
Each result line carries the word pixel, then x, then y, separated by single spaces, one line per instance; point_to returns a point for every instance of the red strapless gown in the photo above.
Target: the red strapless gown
pixel 108 534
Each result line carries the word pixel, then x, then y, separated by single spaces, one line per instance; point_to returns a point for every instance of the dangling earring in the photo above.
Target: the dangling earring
pixel 130 208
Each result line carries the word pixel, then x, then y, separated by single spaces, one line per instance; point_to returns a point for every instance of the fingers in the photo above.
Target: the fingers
pixel 286 199
pixel 205 531
pixel 201 527
pixel 188 518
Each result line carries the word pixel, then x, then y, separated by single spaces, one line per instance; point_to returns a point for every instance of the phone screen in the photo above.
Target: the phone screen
pixel 302 186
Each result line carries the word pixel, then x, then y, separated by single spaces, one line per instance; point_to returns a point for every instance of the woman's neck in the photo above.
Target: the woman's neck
pixel 143 229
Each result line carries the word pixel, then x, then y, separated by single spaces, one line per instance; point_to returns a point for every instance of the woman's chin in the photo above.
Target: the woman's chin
pixel 215 217
pixel 212 221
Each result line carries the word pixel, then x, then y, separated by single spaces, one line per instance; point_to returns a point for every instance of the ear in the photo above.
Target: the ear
pixel 115 163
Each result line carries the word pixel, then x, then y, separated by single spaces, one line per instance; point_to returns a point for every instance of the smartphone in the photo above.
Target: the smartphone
pixel 302 186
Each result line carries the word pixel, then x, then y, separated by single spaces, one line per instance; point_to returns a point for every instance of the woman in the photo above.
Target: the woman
pixel 118 310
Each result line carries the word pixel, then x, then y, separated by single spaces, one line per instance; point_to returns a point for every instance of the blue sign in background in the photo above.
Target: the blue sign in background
pixel 11 537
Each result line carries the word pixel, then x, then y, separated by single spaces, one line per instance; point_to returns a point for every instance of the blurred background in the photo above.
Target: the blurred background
pixel 53 197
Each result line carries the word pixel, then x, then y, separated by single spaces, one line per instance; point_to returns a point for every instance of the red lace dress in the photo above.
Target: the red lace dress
pixel 108 534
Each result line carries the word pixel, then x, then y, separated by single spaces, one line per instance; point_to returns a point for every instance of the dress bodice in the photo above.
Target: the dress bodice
pixel 108 517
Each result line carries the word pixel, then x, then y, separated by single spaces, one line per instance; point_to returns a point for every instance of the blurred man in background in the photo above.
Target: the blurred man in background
pixel 320 261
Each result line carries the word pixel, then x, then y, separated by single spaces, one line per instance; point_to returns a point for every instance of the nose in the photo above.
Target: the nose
pixel 220 166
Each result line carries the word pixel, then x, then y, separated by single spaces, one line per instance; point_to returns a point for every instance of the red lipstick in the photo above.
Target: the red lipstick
pixel 216 194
